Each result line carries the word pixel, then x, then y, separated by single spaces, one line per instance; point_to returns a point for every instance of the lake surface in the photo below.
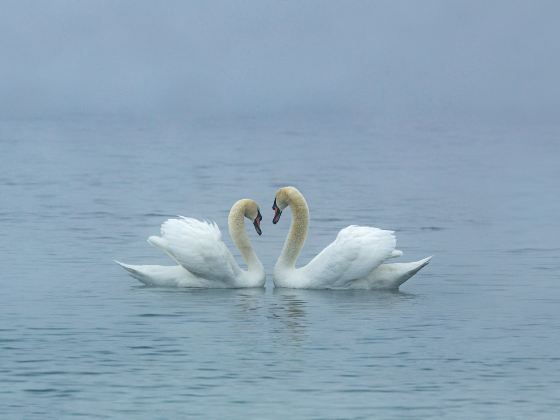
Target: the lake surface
pixel 473 335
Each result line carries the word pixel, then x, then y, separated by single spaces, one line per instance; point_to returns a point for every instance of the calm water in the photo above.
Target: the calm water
pixel 473 335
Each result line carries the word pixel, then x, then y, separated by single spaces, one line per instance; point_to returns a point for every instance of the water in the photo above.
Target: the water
pixel 474 334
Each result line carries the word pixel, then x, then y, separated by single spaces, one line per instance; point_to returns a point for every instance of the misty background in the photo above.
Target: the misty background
pixel 482 60
pixel 435 119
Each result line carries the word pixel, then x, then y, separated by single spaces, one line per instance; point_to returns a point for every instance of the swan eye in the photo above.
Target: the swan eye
pixel 274 206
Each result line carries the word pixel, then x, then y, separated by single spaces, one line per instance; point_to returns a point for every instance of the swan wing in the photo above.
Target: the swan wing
pixel 197 246
pixel 356 251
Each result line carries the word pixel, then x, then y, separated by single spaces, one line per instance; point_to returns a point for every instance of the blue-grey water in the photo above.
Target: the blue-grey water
pixel 473 335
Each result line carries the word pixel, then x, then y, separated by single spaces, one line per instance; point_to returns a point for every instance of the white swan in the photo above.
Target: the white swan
pixel 353 261
pixel 204 259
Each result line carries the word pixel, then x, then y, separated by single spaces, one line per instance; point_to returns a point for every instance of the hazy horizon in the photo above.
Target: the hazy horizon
pixel 255 58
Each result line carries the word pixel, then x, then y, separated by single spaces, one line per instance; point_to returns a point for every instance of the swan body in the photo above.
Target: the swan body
pixel 355 260
pixel 203 258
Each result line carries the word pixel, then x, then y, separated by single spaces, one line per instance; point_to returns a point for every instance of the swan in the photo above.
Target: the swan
pixel 353 261
pixel 203 258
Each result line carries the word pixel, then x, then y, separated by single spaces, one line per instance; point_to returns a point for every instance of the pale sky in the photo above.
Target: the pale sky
pixel 419 58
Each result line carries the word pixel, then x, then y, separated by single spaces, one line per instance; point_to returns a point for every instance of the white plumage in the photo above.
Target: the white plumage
pixel 355 252
pixel 203 258
pixel 197 246
pixel 354 260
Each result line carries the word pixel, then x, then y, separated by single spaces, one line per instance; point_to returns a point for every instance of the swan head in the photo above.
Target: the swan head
pixel 282 200
pixel 253 213
pixel 245 208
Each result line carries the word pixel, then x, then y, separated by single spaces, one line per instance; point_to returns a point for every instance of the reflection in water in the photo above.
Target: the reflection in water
pixel 341 300
pixel 291 307
pixel 249 300
pixel 288 306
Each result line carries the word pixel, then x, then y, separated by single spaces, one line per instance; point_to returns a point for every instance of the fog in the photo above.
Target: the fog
pixel 409 58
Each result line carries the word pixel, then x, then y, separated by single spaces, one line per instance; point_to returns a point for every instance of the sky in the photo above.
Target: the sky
pixel 250 58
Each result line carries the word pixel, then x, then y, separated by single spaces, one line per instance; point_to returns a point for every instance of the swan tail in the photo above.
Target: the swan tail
pixel 156 275
pixel 138 272
pixel 163 275
pixel 415 267
pixel 392 276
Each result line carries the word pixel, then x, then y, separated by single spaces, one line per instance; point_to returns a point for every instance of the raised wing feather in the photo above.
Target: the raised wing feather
pixel 355 252
pixel 197 246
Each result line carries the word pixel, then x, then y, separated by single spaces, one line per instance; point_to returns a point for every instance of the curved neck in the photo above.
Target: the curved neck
pixel 236 225
pixel 298 231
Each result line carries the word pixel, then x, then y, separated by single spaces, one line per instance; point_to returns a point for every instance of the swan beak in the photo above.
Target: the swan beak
pixel 257 223
pixel 277 212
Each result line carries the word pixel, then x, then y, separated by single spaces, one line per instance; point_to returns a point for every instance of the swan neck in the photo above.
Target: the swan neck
pixel 298 231
pixel 236 225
